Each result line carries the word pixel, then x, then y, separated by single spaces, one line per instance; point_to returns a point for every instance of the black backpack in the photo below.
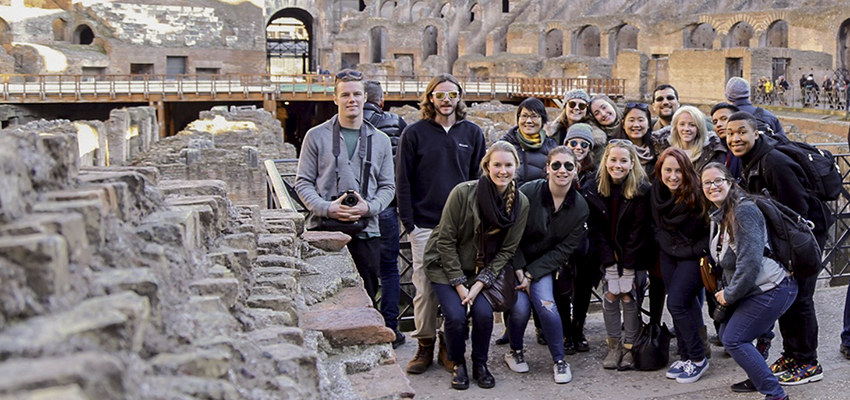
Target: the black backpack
pixel 763 126
pixel 792 243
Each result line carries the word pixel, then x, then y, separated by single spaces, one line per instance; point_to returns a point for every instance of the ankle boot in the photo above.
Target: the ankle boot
pixel 628 361
pixel 460 380
pixel 579 339
pixel 424 357
pixel 703 334
pixel 481 374
pixel 615 354
pixel 443 354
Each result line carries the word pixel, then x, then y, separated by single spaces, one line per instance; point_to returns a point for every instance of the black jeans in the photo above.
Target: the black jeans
pixel 366 254
pixel 390 288
pixel 799 325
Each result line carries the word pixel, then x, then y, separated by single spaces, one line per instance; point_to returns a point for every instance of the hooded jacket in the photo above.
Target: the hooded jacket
pixel 532 161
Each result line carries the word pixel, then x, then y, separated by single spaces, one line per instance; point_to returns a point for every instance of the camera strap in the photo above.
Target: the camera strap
pixel 365 149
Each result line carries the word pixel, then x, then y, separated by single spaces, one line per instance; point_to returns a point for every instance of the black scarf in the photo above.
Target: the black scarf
pixel 495 221
pixel 670 214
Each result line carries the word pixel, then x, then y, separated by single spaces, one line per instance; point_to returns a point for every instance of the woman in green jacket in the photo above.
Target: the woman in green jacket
pixel 556 224
pixel 479 231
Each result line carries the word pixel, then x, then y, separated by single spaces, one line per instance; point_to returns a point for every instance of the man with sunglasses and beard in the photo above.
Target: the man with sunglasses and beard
pixel 665 102
pixel 434 154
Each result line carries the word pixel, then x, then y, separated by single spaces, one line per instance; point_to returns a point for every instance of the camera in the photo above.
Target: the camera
pixel 721 313
pixel 349 199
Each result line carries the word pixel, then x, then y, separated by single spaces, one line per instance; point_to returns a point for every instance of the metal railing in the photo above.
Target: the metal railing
pixel 808 96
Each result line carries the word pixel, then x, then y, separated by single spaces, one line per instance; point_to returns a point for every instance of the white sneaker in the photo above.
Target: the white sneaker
pixel 562 372
pixel 516 361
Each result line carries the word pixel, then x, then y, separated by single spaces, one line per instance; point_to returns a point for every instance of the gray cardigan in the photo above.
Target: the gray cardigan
pixel 746 271
pixel 316 180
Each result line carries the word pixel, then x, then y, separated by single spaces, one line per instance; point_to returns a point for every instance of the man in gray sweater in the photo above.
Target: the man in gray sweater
pixel 331 186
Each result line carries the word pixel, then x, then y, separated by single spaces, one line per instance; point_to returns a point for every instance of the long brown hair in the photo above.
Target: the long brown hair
pixel 426 107
pixel 688 193
pixel 733 199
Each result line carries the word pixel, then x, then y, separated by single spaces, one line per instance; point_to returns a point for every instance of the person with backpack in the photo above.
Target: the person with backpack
pixel 769 170
pixel 758 288
pixel 738 93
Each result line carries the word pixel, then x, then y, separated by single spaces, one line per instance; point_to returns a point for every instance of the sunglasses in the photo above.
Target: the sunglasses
pixel 627 143
pixel 670 97
pixel 348 72
pixel 574 104
pixel 576 143
pixel 639 106
pixel 716 182
pixel 555 166
pixel 442 95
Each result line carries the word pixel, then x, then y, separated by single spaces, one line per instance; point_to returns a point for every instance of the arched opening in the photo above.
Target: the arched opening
pixel 586 42
pixel 700 36
pixel 429 42
pixel 843 53
pixel 387 9
pixel 379 44
pixel 473 11
pixel 625 37
pixel 419 10
pixel 776 35
pixel 83 35
pixel 554 43
pixel 739 35
pixel 289 46
pixel 59 26
pixel 445 10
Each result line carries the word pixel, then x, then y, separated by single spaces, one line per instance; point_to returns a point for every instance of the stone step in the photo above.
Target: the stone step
pixel 263 318
pixel 227 289
pixel 187 387
pixel 338 271
pixel 279 303
pixel 295 362
pixel 98 375
pixel 66 392
pixel 238 261
pixel 137 203
pixel 172 228
pixel 276 335
pixel 274 260
pixel 287 284
pixel 210 187
pixel 141 281
pixel 279 244
pixel 93 213
pixel 327 241
pixel 347 319
pixel 385 382
pixel 220 271
pixel 205 317
pixel 44 258
pixel 205 363
pixel 243 241
pixel 217 204
pixel 282 217
pixel 69 225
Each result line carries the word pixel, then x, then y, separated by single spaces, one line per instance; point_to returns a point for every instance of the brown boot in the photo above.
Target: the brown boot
pixel 424 357
pixel 443 354
pixel 703 334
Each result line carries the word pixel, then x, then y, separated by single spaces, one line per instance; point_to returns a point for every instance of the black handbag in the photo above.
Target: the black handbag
pixel 502 293
pixel 652 348
pixel 350 228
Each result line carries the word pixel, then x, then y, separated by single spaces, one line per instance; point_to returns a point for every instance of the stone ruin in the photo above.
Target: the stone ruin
pixel 117 283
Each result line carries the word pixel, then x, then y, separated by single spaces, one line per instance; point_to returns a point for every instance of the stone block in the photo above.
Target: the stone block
pixel 328 241
pixel 98 375
pixel 347 297
pixel 15 180
pixel 92 211
pixel 237 260
pixel 274 302
pixel 227 289
pixel 286 283
pixel 205 363
pixel 281 244
pixel 44 258
pixel 149 173
pixel 337 271
pixel 217 204
pixel 282 217
pixel 172 228
pixel 194 188
pixel 141 281
pixel 295 362
pixel 263 318
pixel 189 387
pixel 276 335
pixel 139 200
pixel 69 226
pixel 219 271
pixel 348 326
pixel 66 392
pixel 383 382
pixel 244 241
pixel 206 220
pixel 274 272
pixel 273 260
pixel 65 151
pixel 102 195
pixel 205 317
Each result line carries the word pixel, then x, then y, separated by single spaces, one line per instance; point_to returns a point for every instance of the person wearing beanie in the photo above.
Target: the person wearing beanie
pixel 577 110
pixel 738 93
pixel 580 131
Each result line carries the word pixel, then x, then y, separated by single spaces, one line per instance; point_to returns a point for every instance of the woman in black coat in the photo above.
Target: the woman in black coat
pixel 530 140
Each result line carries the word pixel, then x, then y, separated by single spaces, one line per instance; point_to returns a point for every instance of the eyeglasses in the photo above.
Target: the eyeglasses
pixel 670 97
pixel 349 72
pixel 528 116
pixel 639 106
pixel 716 182
pixel 555 166
pixel 576 143
pixel 442 95
pixel 574 104
pixel 627 143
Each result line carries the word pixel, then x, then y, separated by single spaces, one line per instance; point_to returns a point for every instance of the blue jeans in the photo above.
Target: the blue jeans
pixel 684 286
pixel 390 289
pixel 752 317
pixel 454 316
pixel 543 298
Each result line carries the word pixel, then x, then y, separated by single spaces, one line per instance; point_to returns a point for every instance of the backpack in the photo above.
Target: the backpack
pixel 763 126
pixel 792 243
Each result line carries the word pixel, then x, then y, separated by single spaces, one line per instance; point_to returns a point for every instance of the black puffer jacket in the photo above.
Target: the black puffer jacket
pixel 389 123
pixel 624 239
pixel 532 161
pixel 679 231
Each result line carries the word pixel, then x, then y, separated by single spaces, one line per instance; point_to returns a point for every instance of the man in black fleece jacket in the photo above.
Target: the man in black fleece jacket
pixel 765 167
pixel 435 154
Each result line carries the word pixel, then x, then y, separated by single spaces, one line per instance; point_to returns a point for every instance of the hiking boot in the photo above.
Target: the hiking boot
pixel 424 357
pixel 800 374
pixel 581 342
pixel 399 339
pixel 460 380
pixel 562 372
pixel 763 347
pixel 845 351
pixel 443 354
pixel 676 369
pixel 569 347
pixel 781 365
pixel 692 371
pixel 746 386
pixel 481 374
pixel 615 354
pixel 516 361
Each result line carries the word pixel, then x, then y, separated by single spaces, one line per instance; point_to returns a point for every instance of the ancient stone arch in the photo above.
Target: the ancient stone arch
pixel 699 36
pixel 739 35
pixel 59 27
pixel 445 9
pixel 776 35
pixel 554 43
pixel 623 37
pixel 419 10
pixel 429 41
pixel 292 47
pixel 378 41
pixel 475 11
pixel 843 53
pixel 587 41
pixel 83 34
pixel 387 9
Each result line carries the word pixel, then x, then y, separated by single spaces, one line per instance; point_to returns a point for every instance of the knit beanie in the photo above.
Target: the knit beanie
pixel 737 89
pixel 576 94
pixel 580 131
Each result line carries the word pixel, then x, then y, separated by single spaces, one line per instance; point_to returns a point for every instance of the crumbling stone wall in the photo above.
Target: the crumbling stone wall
pixel 118 284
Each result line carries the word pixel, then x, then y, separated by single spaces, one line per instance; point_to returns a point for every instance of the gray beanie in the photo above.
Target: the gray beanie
pixel 580 131
pixel 737 89
pixel 576 94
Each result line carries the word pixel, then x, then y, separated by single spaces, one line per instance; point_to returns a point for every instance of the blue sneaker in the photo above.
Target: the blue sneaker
pixel 676 369
pixel 692 371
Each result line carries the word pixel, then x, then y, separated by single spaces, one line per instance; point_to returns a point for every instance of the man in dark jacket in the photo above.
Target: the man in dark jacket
pixel 435 154
pixel 738 93
pixel 392 125
pixel 765 167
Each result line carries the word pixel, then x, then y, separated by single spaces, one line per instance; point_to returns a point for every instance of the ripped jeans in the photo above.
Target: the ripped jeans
pixel 542 296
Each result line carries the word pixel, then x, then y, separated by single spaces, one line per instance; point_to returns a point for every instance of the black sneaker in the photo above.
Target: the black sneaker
pixel 569 347
pixel 540 339
pixel 399 339
pixel 845 351
pixel 763 347
pixel 503 339
pixel 746 386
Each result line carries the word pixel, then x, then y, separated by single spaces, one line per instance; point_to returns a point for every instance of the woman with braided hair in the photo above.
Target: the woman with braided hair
pixel 479 231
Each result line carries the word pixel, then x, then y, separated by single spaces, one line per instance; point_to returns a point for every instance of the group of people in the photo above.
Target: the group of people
pixel 630 197
pixel 830 92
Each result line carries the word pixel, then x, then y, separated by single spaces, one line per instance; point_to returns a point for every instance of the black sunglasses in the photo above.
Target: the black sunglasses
pixel 639 106
pixel 555 166
pixel 670 97
pixel 349 72
pixel 574 104
pixel 576 143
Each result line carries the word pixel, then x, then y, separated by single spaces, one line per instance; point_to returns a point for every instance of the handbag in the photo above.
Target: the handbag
pixel 502 293
pixel 652 348
pixel 709 279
